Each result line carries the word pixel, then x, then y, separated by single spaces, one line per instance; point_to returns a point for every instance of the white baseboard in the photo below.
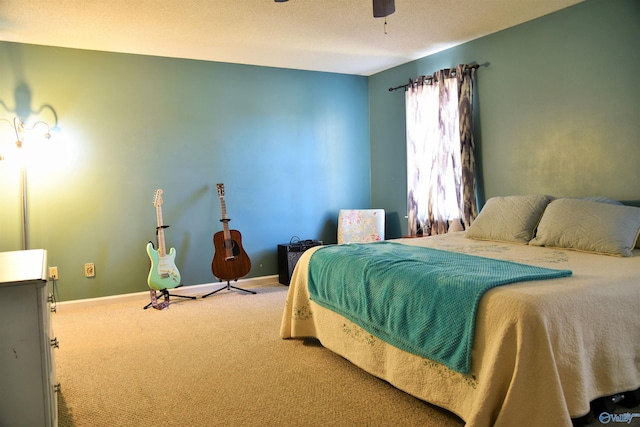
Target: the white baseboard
pixel 191 290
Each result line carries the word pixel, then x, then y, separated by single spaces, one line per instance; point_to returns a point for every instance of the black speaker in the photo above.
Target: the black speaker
pixel 288 256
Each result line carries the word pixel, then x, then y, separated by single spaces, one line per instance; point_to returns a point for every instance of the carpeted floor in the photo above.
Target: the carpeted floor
pixel 217 361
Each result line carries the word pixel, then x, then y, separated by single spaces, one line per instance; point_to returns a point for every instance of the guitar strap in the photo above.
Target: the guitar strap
pixel 154 300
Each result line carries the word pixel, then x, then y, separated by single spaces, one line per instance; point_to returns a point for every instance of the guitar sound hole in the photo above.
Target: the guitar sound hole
pixel 232 246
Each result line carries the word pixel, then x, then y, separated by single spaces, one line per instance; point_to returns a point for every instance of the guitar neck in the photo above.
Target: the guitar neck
pixel 160 232
pixel 225 220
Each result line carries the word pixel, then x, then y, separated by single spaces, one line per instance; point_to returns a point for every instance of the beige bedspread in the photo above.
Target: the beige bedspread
pixel 542 350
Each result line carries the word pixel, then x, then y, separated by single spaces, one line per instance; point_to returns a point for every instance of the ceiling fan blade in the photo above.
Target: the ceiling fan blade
pixel 382 8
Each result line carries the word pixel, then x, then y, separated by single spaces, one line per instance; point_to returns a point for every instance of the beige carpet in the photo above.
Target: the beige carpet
pixel 217 361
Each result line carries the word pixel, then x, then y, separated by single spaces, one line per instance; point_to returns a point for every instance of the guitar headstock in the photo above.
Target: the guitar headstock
pixel 220 188
pixel 157 198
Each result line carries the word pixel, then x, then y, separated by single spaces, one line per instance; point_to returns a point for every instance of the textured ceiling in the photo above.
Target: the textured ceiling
pixel 324 35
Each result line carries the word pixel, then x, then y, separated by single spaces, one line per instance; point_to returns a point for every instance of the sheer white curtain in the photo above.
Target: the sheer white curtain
pixel 436 143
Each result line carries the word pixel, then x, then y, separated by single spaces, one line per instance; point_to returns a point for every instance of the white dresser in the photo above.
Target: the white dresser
pixel 28 385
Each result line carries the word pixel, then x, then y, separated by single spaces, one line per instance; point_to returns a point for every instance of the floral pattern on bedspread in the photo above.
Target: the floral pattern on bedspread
pixel 474 249
pixel 302 312
pixel 548 256
pixel 358 334
pixel 451 375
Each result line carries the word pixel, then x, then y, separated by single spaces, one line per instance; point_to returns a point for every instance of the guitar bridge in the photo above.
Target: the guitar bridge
pixel 230 258
pixel 164 275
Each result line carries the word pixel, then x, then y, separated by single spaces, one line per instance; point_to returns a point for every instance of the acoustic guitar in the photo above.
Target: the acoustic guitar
pixel 230 261
pixel 163 273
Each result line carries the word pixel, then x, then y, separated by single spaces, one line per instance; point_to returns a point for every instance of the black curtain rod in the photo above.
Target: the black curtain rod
pixel 391 89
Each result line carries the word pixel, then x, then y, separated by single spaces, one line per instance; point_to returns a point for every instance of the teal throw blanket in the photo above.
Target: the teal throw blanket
pixel 420 300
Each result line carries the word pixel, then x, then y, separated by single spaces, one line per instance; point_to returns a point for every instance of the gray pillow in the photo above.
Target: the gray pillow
pixel 589 226
pixel 600 199
pixel 613 202
pixel 509 219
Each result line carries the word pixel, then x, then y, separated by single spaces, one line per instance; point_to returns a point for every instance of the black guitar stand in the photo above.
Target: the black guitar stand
pixel 164 292
pixel 228 287
pixel 166 295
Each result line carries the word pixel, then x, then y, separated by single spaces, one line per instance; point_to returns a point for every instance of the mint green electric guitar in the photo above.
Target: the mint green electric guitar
pixel 163 273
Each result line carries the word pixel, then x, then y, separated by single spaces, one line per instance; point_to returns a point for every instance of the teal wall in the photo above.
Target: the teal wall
pixel 558 110
pixel 291 147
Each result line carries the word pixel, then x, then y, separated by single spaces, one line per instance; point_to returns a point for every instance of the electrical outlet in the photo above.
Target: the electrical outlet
pixel 53 273
pixel 89 269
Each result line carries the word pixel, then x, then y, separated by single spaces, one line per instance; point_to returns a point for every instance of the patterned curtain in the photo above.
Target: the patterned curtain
pixel 441 175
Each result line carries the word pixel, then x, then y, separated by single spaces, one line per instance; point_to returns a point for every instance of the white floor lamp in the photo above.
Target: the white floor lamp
pixel 21 129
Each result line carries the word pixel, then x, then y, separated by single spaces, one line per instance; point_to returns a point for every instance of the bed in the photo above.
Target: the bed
pixel 542 350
